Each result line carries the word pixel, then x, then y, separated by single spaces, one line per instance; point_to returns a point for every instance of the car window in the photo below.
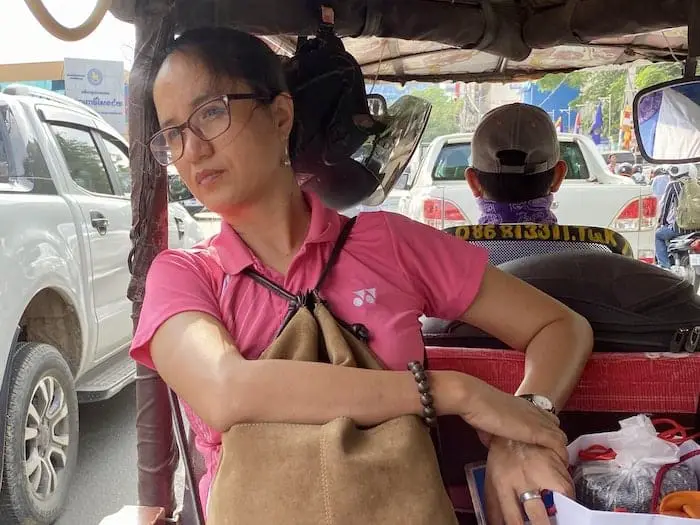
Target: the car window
pixel 402 181
pixel 621 156
pixel 4 148
pixel 454 159
pixel 120 161
pixel 452 162
pixel 570 152
pixel 23 167
pixel 83 158
pixel 177 191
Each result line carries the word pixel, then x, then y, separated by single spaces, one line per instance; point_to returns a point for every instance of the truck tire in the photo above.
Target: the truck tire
pixel 41 437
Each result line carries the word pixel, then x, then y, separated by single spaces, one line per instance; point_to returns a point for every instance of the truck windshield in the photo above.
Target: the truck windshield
pixel 454 159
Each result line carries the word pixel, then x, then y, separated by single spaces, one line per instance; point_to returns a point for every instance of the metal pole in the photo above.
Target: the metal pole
pixel 609 100
pixel 156 451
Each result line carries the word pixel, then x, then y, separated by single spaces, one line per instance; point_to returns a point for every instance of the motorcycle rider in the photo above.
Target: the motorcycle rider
pixel 625 169
pixel 659 180
pixel 667 228
pixel 638 174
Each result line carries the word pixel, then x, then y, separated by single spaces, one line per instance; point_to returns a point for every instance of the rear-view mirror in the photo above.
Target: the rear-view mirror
pixel 667 121
pixel 377 105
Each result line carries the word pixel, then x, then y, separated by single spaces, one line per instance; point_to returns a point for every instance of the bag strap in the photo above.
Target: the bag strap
pixel 339 244
pixel 335 253
pixel 270 285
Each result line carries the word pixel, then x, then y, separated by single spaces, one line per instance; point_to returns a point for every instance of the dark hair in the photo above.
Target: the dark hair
pixel 515 187
pixel 234 54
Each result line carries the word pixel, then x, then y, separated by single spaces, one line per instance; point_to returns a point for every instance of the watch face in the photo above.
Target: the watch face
pixel 543 403
pixel 540 402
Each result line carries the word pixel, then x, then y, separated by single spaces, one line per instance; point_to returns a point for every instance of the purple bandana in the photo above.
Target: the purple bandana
pixel 538 211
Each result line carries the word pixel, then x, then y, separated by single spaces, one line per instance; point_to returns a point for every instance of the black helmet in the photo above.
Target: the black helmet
pixel 339 147
pixel 625 169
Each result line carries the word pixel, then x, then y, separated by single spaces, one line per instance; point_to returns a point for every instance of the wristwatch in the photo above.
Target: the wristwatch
pixel 541 402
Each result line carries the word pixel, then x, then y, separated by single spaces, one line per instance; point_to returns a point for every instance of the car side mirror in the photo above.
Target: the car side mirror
pixel 667 121
pixel 4 172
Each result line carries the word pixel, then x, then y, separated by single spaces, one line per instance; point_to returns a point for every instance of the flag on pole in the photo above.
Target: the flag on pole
pixel 626 127
pixel 557 124
pixel 577 123
pixel 597 126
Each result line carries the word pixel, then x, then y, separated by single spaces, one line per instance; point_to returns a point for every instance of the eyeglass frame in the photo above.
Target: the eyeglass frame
pixel 186 124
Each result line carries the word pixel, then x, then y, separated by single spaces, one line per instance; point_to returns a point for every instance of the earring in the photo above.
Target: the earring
pixel 285 163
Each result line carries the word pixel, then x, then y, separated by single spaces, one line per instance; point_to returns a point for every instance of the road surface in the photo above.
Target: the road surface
pixel 106 476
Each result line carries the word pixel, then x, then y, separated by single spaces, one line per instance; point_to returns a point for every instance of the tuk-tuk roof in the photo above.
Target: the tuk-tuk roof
pixel 468 40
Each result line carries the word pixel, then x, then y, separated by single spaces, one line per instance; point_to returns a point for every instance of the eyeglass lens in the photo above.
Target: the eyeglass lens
pixel 207 122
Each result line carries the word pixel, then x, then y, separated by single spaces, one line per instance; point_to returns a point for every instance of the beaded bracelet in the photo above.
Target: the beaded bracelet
pixel 426 399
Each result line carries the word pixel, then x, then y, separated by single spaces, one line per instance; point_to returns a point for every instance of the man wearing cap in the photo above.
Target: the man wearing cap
pixel 515 166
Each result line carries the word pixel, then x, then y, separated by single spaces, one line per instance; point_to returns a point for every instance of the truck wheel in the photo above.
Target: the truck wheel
pixel 41 437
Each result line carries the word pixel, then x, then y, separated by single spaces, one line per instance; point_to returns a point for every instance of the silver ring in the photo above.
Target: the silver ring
pixel 530 495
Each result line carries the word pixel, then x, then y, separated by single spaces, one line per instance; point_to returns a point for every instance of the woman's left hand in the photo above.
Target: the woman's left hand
pixel 513 468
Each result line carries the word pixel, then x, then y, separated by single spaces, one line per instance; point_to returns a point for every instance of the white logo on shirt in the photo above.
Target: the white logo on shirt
pixel 368 295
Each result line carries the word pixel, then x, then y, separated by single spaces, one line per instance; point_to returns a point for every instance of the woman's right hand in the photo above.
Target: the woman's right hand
pixel 492 411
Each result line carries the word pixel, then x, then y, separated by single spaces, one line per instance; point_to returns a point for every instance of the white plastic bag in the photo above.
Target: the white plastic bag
pixel 625 480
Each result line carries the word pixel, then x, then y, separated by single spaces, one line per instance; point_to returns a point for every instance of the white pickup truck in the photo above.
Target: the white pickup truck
pixel 438 194
pixel 65 321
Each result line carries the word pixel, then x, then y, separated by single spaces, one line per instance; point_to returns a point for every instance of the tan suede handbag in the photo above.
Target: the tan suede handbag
pixel 331 474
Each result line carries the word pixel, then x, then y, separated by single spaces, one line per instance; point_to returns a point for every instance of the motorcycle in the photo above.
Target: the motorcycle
pixel 684 254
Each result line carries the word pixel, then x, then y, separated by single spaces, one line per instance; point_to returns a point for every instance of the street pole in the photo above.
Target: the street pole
pixel 608 99
pixel 568 118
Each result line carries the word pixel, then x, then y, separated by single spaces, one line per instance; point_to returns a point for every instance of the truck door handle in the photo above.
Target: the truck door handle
pixel 99 222
pixel 180 225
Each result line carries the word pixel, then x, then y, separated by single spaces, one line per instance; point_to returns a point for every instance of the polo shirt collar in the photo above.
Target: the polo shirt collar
pixel 235 255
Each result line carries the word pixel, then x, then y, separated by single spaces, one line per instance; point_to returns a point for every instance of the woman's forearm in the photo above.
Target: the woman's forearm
pixel 315 393
pixel 195 355
pixel 555 359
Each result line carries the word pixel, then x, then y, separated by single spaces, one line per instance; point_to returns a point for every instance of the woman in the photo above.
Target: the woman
pixel 225 119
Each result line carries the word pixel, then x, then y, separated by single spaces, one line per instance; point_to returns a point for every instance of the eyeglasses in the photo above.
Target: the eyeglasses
pixel 208 121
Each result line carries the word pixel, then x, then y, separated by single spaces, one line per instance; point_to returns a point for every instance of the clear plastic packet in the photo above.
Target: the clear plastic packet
pixel 617 471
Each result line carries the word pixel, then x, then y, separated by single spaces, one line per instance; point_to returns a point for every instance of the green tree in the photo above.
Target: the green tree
pixel 657 73
pixel 607 87
pixel 444 115
pixel 549 83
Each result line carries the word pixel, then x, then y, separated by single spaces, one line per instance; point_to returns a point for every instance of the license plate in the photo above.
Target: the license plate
pixel 695 259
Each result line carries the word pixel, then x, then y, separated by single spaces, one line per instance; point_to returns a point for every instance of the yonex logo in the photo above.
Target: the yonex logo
pixel 368 295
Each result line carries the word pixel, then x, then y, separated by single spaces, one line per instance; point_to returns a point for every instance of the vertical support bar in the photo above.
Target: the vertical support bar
pixel 691 63
pixel 157 453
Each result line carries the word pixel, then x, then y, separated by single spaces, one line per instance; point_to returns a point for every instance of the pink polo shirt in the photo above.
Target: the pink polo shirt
pixel 391 271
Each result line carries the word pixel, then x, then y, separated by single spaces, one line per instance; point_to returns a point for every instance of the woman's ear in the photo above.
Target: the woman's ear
pixel 282 109
pixel 560 170
pixel 473 182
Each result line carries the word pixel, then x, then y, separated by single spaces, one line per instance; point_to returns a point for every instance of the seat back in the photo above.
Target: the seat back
pixel 508 242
